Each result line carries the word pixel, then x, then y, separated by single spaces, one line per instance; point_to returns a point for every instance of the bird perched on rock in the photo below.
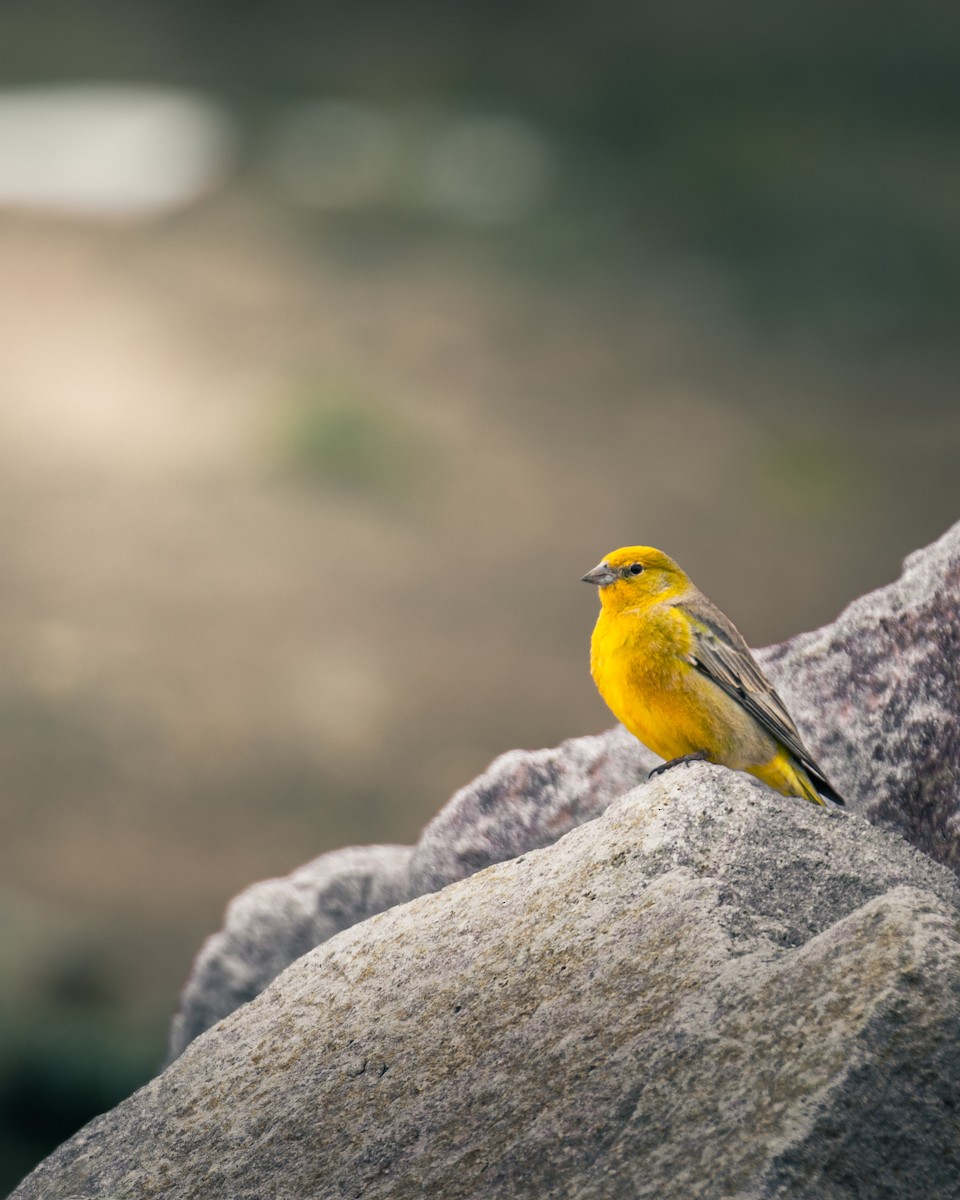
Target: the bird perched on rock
pixel 680 677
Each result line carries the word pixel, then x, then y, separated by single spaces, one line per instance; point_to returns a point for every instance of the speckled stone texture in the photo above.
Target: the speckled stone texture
pixel 525 800
pixel 274 922
pixel 876 696
pixel 710 992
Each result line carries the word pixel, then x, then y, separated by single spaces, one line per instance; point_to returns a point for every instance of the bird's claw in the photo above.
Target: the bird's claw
pixel 697 756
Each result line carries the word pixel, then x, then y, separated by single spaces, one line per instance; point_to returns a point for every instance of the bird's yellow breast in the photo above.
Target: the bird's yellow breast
pixel 640 664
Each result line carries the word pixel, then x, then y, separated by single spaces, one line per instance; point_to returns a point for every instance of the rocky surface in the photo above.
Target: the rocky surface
pixel 876 695
pixel 526 799
pixel 274 922
pixel 710 991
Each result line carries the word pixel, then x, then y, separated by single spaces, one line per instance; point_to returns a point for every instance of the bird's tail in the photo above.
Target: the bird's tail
pixel 815 785
pixel 824 787
pixel 807 788
pixel 784 773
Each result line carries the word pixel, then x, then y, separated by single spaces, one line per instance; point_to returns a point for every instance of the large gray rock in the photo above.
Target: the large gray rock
pixel 274 922
pixel 710 991
pixel 876 694
pixel 525 800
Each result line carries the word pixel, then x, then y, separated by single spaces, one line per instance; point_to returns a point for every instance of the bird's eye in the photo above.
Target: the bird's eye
pixel 636 568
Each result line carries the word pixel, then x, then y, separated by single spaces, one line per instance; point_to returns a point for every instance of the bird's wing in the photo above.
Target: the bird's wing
pixel 720 652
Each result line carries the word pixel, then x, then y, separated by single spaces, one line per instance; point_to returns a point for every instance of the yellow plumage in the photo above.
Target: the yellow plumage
pixel 678 674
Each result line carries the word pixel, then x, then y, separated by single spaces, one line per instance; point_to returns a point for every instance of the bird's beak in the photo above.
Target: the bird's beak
pixel 600 576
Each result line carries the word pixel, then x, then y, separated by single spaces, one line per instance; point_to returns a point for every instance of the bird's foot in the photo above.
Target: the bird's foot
pixel 697 756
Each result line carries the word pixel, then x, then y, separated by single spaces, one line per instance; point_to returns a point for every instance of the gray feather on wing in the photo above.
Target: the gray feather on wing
pixel 720 652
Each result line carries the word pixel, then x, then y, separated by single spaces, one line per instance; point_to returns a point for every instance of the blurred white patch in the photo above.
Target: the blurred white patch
pixel 109 150
pixel 333 154
pixel 487 170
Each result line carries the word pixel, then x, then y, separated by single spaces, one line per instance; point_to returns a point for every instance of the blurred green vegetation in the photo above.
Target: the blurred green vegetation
pixel 807 477
pixel 329 432
pixel 55 1074
pixel 67 1049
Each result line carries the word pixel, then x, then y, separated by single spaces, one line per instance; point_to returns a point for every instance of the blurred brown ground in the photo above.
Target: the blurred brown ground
pixel 296 503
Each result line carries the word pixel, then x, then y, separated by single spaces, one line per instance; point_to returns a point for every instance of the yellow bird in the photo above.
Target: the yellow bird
pixel 679 675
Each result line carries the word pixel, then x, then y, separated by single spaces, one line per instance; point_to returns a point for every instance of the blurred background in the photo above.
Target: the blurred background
pixel 336 343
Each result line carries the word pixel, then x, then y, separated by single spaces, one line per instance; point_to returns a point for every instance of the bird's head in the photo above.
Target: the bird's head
pixel 633 574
